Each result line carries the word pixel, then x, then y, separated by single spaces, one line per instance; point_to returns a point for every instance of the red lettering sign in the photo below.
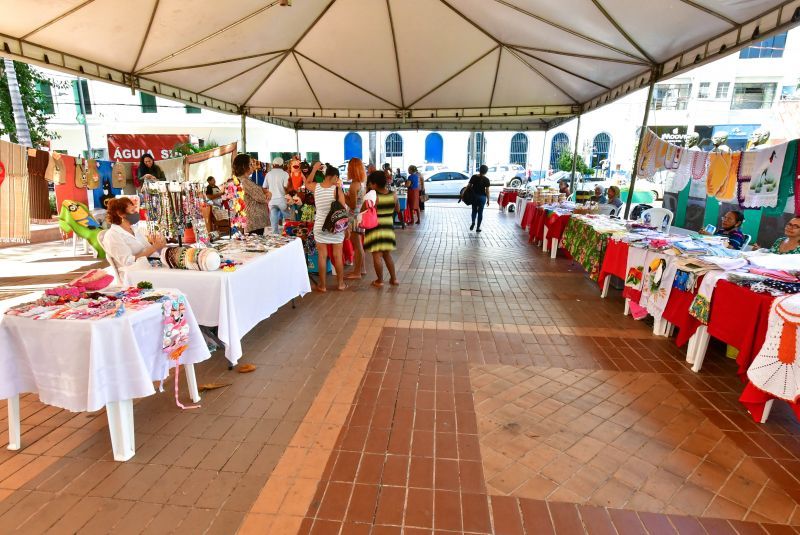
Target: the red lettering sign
pixel 131 147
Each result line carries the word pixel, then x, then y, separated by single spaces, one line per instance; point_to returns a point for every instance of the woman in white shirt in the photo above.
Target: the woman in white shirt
pixel 126 245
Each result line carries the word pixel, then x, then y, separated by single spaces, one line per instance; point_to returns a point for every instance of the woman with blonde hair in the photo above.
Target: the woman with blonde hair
pixel 355 198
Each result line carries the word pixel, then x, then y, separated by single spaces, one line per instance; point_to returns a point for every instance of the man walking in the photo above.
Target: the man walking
pixel 276 182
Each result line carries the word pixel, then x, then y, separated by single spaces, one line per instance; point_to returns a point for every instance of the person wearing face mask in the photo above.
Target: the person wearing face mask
pixel 124 242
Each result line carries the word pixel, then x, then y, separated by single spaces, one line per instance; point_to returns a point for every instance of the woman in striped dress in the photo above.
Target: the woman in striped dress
pixel 380 241
pixel 324 193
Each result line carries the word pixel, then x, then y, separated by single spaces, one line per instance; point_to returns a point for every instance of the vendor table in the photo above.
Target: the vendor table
pixel 614 263
pixel 554 225
pixel 522 203
pixel 105 362
pixel 236 301
pixel 506 197
pixel 739 318
pixel 528 214
pixel 586 245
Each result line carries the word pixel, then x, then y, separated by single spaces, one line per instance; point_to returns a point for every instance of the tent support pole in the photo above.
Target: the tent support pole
pixel 244 132
pixel 541 163
pixel 575 157
pixel 297 141
pixel 653 78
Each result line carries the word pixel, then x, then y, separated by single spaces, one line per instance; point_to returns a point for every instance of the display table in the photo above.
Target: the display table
pixel 554 225
pixel 738 317
pixel 84 365
pixel 236 301
pixel 586 245
pixel 506 197
pixel 522 204
pixel 528 214
pixel 614 263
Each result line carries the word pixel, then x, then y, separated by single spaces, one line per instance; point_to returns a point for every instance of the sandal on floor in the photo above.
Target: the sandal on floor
pixel 246 368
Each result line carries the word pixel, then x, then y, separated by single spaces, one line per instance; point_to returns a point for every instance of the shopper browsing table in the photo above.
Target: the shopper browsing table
pixel 277 182
pixel 149 169
pixel 355 199
pixel 255 200
pixel 324 194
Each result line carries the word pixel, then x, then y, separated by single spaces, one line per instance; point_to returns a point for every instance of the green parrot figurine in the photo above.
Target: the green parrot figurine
pixel 75 217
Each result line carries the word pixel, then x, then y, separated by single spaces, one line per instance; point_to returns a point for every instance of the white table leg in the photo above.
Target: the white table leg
pixel 544 240
pixel 74 244
pixel 627 307
pixel 120 424
pixel 670 329
pixel 191 382
pixel 14 442
pixel 553 248
pixel 767 409
pixel 701 345
pixel 606 285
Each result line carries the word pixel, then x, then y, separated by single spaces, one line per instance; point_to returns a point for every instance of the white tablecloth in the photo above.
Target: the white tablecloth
pixel 236 301
pixel 520 209
pixel 80 365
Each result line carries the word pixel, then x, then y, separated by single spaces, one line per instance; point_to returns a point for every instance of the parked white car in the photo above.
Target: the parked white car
pixel 511 175
pixel 445 183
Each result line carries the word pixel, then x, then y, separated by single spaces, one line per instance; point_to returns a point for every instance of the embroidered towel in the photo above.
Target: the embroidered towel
pixel 701 304
pixel 746 164
pixel 683 172
pixel 657 285
pixel 766 177
pixel 786 188
pixel 634 267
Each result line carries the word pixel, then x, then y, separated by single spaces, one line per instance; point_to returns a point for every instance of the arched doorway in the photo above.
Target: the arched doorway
pixel 434 148
pixel 519 149
pixel 601 146
pixel 559 144
pixel 353 147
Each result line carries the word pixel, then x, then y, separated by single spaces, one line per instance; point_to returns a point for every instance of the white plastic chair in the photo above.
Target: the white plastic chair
pixel 111 262
pixel 608 209
pixel 660 218
pixel 747 239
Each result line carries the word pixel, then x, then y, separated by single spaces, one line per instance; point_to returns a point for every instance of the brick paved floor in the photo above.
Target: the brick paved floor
pixel 492 392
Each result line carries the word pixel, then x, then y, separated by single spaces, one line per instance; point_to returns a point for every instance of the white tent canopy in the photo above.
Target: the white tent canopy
pixel 387 64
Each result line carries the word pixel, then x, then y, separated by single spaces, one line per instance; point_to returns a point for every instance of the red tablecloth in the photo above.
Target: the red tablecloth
pixel 755 401
pixel 507 197
pixel 555 224
pixel 536 230
pixel 527 216
pixel 739 318
pixel 614 262
pixel 677 313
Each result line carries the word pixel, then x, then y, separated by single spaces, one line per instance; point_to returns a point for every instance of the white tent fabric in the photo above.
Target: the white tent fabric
pixel 387 63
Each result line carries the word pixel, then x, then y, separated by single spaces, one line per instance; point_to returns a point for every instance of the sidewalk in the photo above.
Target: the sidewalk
pixel 493 391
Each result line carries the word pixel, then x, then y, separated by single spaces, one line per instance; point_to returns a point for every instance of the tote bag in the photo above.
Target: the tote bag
pixel 337 219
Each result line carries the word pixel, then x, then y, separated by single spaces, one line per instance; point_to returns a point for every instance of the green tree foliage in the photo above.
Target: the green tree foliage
pixel 565 163
pixel 38 106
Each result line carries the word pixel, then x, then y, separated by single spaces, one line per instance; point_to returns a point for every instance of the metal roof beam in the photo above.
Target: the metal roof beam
pixel 292 49
pixel 568 30
pixel 582 56
pixel 779 19
pixel 212 63
pixel 576 75
pixel 622 31
pixel 711 12
pixel 57 19
pixel 210 36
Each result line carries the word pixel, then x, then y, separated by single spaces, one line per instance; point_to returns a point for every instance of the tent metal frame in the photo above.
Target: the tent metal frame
pixel 777 19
